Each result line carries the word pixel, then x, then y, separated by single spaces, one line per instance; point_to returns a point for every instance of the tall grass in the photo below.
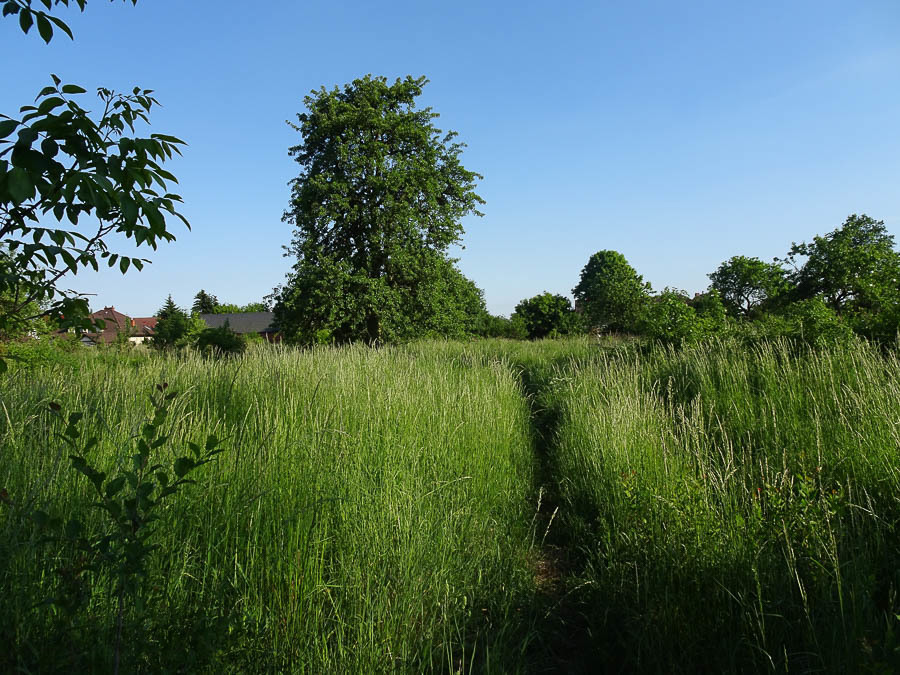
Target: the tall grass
pixel 368 515
pixel 735 510
pixel 715 509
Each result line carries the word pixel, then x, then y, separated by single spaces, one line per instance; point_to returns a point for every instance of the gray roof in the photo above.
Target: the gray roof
pixel 245 322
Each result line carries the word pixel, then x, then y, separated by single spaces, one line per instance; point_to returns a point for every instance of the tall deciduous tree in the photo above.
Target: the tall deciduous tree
pixel 379 200
pixel 853 267
pixel 610 293
pixel 745 283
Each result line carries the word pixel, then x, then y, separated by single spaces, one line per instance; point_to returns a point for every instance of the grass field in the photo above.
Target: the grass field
pixel 494 506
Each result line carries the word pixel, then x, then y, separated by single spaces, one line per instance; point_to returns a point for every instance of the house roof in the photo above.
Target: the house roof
pixel 117 323
pixel 244 322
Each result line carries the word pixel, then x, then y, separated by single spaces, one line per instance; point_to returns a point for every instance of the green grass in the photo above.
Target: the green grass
pixel 368 515
pixel 734 510
pixel 495 506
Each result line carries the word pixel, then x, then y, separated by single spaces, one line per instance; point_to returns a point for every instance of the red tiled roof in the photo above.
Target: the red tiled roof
pixel 116 322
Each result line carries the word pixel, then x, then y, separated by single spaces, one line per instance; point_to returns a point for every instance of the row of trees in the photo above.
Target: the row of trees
pixel 843 282
pixel 378 203
pixel 207 303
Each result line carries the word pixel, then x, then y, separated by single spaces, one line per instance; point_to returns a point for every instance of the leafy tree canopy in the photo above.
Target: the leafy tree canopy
pixel 745 283
pixel 547 315
pixel 852 267
pixel 379 199
pixel 230 308
pixel 610 292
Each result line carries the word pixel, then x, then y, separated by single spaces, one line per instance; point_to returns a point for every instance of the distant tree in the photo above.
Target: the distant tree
pixel 547 315
pixel 204 303
pixel 493 326
pixel 168 309
pixel 854 267
pixel 746 283
pixel 379 200
pixel 610 293
pixel 229 308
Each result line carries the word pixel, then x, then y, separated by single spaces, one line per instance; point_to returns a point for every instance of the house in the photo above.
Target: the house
pixel 115 324
pixel 243 323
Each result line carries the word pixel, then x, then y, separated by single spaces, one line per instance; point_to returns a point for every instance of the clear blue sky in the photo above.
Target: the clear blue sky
pixel 677 133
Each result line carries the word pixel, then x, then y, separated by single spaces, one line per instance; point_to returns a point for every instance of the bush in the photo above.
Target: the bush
pixel 815 322
pixel 547 315
pixel 221 341
pixel 45 351
pixel 670 319
pixel 492 326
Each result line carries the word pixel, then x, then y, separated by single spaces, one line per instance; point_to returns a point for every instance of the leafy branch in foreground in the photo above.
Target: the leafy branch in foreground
pixel 58 162
pixel 28 16
pixel 130 499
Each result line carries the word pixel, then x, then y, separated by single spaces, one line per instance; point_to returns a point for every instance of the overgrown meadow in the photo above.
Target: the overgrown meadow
pixel 493 506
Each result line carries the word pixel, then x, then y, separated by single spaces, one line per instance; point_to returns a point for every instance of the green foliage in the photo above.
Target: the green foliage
pixel 65 165
pixel 174 327
pixel 815 322
pixel 221 341
pixel 669 319
pixel 28 16
pixel 547 316
pixel 229 308
pixel 168 308
pixel 492 326
pixel 747 283
pixel 610 293
pixel 377 203
pixel 48 350
pixel 853 268
pixel 129 501
pixel 204 303
pixel 58 161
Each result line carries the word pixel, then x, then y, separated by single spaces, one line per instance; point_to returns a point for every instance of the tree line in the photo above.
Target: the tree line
pixel 838 284
pixel 377 204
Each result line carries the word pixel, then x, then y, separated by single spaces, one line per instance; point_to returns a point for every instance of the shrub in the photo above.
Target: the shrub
pixel 221 341
pixel 670 319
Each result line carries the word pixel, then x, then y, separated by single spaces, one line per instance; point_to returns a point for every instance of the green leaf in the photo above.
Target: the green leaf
pixel 124 263
pixel 44 28
pixel 115 486
pixel 61 25
pixel 182 466
pixel 7 127
pixel 19 185
pixel 49 104
pixel 211 442
pixel 25 20
pixel 40 518
pixel 73 89
pixel 49 148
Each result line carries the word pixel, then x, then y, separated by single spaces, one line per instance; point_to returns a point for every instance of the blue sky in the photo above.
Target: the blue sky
pixel 679 134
